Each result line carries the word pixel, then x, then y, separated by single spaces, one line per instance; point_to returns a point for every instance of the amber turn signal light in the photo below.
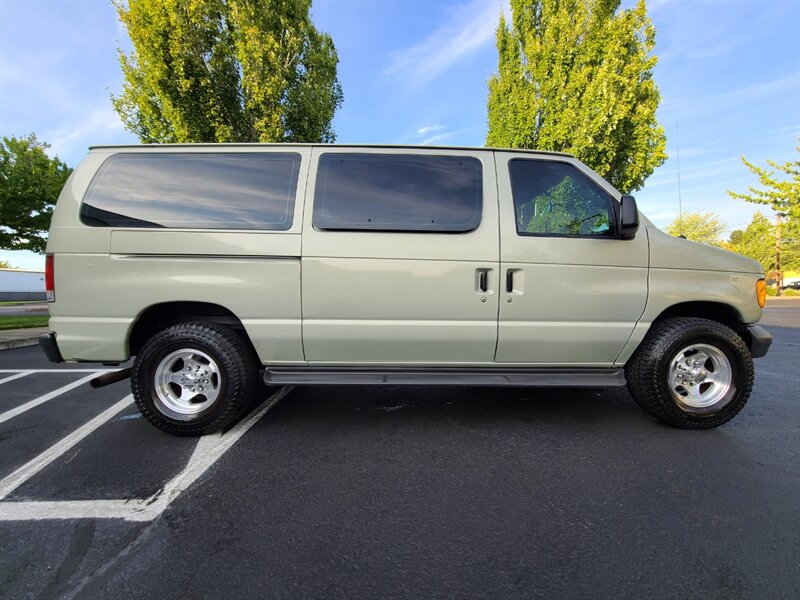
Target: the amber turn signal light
pixel 761 292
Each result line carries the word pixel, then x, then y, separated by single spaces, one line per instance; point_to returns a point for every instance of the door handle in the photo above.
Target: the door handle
pixel 509 281
pixel 483 280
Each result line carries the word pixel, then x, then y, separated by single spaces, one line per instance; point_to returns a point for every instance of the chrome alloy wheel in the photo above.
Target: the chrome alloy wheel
pixel 700 379
pixel 187 382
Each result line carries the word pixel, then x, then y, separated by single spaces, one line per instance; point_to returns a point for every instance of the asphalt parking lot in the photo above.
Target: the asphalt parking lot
pixel 362 492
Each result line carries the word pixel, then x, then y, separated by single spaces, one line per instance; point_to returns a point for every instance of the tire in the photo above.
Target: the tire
pixel 194 378
pixel 691 373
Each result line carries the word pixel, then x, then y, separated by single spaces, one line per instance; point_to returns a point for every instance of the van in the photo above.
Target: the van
pixel 224 267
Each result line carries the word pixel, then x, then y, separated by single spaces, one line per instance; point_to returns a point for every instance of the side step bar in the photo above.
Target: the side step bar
pixel 593 378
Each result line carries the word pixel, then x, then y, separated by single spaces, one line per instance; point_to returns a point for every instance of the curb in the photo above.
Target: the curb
pixel 20 343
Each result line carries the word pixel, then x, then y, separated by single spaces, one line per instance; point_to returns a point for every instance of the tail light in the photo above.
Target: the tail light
pixel 49 278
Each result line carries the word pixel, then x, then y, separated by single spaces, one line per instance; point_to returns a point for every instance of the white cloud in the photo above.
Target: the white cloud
pixel 691 172
pixel 97 127
pixel 436 138
pixel 688 108
pixel 429 129
pixel 468 28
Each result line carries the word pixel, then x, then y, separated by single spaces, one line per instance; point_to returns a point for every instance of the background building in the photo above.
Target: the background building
pixel 21 285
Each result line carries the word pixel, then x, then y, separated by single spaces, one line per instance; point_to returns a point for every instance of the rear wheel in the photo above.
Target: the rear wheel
pixel 194 378
pixel 691 373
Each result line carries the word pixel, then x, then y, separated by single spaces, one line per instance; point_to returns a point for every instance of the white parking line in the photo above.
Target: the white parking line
pixel 10 414
pixel 208 450
pixel 68 509
pixel 17 376
pixel 30 468
pixel 57 370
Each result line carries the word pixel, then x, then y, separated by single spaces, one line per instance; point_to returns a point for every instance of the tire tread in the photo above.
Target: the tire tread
pixel 645 370
pixel 241 383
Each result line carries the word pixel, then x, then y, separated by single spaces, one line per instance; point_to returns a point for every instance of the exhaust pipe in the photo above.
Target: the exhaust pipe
pixel 109 378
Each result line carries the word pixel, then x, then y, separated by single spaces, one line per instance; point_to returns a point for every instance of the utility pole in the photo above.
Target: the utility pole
pixel 778 272
pixel 680 200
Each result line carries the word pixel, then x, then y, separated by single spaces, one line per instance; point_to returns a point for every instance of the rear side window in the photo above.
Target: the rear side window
pixel 201 191
pixel 555 198
pixel 398 192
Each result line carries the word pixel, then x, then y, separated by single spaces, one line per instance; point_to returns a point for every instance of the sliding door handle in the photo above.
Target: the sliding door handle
pixel 509 281
pixel 483 280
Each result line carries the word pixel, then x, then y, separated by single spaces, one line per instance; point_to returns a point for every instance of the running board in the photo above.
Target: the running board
pixel 593 378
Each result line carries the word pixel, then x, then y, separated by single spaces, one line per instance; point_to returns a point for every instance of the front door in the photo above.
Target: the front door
pixel 400 257
pixel 572 292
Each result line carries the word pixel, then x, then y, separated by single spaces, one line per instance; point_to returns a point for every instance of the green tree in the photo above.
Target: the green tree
pixel 576 76
pixel 4 264
pixel 30 182
pixel 781 193
pixel 758 242
pixel 227 71
pixel 706 228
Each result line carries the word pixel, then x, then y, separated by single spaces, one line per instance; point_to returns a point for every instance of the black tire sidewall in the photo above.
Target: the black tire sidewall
pixel 648 370
pixel 212 340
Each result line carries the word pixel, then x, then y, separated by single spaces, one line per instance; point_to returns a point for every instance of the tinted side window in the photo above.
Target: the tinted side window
pixel 204 191
pixel 554 198
pixel 398 192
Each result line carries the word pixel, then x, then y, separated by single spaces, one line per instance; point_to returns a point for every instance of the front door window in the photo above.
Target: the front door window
pixel 554 198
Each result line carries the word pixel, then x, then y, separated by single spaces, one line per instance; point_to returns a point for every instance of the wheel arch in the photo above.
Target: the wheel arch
pixel 158 317
pixel 703 309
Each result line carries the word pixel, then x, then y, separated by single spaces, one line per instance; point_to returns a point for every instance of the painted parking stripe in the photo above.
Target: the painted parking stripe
pixel 10 414
pixel 208 450
pixel 100 371
pixel 17 376
pixel 29 469
pixel 69 509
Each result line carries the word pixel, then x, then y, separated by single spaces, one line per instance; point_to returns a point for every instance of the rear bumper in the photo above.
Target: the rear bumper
pixel 760 340
pixel 50 347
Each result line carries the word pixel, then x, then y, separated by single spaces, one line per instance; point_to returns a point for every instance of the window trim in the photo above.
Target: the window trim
pixel 297 169
pixel 612 234
pixel 345 229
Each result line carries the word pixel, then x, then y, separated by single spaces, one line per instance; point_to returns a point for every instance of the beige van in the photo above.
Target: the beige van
pixel 220 267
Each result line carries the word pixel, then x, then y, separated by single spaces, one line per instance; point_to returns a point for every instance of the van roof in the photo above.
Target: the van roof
pixel 257 145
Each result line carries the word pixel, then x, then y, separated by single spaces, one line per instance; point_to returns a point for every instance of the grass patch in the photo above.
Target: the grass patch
pixel 22 322
pixel 19 302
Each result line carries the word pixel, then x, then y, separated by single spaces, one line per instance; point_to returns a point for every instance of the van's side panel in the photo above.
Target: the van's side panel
pixel 401 298
pixel 721 277
pixel 575 301
pixel 253 274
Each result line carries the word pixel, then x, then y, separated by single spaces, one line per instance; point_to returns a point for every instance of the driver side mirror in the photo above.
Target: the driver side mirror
pixel 628 218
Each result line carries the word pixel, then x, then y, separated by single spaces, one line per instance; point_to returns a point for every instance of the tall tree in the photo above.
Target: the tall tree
pixel 782 194
pixel 779 192
pixel 576 76
pixel 227 71
pixel 706 228
pixel 30 182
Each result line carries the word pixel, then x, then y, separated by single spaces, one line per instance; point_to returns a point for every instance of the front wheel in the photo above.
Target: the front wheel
pixel 194 378
pixel 691 373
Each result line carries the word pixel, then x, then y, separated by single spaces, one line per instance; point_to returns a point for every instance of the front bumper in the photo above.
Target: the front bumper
pixel 50 347
pixel 760 340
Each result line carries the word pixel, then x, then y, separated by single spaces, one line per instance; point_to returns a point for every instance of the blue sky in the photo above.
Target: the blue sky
pixel 415 71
